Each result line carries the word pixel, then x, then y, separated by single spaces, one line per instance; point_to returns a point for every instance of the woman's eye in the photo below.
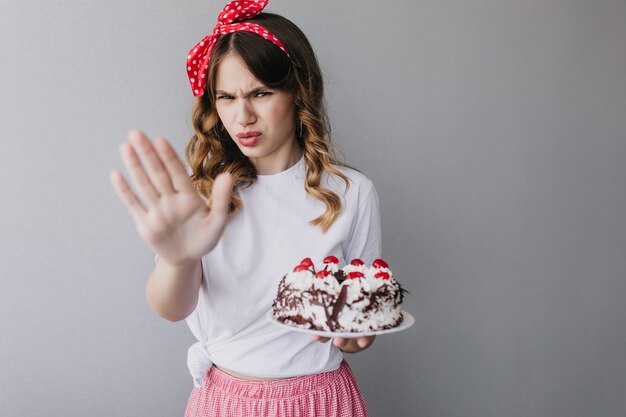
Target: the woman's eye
pixel 262 94
pixel 224 97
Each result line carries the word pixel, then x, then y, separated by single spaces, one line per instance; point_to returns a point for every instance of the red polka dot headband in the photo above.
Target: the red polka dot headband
pixel 230 20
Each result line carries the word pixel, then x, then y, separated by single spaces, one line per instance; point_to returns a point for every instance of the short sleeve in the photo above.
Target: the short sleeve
pixel 366 240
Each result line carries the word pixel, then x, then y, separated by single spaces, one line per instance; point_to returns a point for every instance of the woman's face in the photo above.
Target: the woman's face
pixel 259 119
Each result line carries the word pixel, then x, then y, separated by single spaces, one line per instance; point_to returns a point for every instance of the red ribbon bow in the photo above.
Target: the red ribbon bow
pixel 229 21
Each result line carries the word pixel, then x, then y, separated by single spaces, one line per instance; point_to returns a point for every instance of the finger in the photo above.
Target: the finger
pixel 155 170
pixel 221 192
pixel 123 191
pixel 221 196
pixel 340 342
pixel 138 176
pixel 220 203
pixel 364 342
pixel 320 339
pixel 174 166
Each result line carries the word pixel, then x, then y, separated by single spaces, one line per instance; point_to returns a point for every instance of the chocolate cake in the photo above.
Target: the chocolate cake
pixel 352 299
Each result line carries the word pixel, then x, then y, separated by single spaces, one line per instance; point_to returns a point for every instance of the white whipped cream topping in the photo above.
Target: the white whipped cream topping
pixel 356 302
pixel 354 268
pixel 328 288
pixel 328 283
pixel 330 267
pixel 374 271
pixel 300 280
pixel 297 301
pixel 379 319
pixel 376 283
pixel 355 285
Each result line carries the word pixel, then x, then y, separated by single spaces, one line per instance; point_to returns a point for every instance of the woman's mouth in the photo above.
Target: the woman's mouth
pixel 248 139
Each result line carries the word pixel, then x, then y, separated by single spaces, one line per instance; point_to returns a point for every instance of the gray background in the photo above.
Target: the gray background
pixel 493 130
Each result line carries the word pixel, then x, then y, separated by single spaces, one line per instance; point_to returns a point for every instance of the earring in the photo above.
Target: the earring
pixel 299 129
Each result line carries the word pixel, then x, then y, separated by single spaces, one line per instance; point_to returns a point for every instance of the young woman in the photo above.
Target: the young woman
pixel 264 192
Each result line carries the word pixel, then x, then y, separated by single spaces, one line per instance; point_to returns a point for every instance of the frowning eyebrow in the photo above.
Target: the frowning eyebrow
pixel 250 93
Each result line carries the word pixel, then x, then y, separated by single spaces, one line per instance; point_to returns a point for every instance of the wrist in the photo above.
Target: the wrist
pixel 184 264
pixel 172 290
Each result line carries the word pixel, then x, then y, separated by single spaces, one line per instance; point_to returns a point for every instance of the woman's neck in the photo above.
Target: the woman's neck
pixel 278 163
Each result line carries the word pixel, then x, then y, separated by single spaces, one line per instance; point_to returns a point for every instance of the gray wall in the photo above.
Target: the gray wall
pixel 494 131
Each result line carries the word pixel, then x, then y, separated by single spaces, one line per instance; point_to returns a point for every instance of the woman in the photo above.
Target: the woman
pixel 265 191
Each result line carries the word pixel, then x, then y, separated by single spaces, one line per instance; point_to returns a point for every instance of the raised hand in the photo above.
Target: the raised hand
pixel 172 217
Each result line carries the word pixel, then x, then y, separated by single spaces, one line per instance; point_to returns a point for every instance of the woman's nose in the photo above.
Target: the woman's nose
pixel 245 113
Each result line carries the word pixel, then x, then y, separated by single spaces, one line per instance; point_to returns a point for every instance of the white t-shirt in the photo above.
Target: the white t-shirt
pixel 262 242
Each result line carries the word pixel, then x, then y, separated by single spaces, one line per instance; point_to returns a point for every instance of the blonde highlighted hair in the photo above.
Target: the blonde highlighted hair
pixel 211 151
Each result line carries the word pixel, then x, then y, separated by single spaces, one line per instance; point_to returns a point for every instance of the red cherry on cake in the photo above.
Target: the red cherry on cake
pixel 355 275
pixel 301 268
pixel 331 260
pixel 382 275
pixel 357 262
pixel 307 261
pixel 322 274
pixel 379 263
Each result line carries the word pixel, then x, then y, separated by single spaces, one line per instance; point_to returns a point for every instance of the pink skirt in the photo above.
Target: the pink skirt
pixel 329 394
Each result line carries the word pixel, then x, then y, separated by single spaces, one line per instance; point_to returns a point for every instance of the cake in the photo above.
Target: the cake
pixel 355 298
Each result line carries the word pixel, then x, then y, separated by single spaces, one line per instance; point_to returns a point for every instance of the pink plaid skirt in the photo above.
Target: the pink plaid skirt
pixel 329 394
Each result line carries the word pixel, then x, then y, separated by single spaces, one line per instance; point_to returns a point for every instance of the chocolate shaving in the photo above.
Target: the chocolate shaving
pixel 340 303
pixel 340 276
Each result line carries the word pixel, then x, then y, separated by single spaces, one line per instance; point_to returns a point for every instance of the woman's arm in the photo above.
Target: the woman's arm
pixel 172 290
pixel 172 218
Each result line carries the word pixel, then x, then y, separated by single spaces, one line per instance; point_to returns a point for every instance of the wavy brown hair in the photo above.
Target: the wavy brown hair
pixel 211 151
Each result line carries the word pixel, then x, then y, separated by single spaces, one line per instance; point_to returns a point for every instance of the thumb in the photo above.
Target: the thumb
pixel 218 216
pixel 220 193
pixel 217 219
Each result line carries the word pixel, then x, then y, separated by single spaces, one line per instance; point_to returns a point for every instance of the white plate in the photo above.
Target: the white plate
pixel 407 322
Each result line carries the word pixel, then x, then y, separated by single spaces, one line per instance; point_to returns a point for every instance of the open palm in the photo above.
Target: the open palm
pixel 172 217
